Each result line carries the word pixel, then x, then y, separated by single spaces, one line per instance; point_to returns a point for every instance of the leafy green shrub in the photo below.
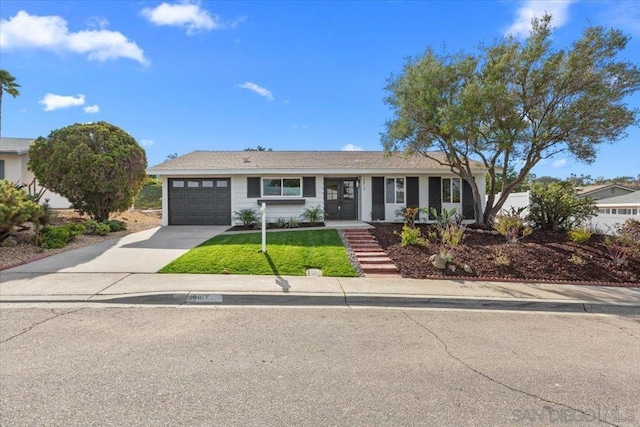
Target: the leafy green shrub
pixel 579 235
pixel 411 236
pixel 313 215
pixel 53 237
pixel 247 216
pixel 293 223
pixel 93 227
pixel 447 228
pixel 15 207
pixel 74 229
pixel 502 260
pixel 280 222
pixel 410 215
pixel 555 206
pixel 115 225
pixel 511 225
pixel 44 216
pixel 452 235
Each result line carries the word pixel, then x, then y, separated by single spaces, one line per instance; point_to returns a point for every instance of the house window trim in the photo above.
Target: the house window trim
pixel 452 202
pixel 281 178
pixel 395 193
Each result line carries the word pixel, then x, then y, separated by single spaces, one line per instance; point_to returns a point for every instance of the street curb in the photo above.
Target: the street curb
pixel 301 300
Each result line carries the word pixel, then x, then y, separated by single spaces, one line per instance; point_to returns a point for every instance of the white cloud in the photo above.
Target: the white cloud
pixel 351 147
pixel 25 31
pixel 559 164
pixel 257 89
pixel 188 15
pixel 53 102
pixel 146 142
pixel 530 9
pixel 91 109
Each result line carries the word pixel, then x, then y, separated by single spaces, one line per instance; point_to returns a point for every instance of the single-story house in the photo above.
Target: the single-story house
pixel 627 204
pixel 206 187
pixel 603 191
pixel 14 157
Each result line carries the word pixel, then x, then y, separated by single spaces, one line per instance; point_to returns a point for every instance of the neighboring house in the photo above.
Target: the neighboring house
pixel 627 204
pixel 614 211
pixel 206 187
pixel 14 156
pixel 604 191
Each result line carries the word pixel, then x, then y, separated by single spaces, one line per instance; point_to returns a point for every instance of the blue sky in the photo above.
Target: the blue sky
pixel 289 75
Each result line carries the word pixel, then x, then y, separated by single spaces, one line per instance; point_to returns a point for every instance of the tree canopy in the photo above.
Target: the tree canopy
pixel 512 104
pixel 8 85
pixel 98 167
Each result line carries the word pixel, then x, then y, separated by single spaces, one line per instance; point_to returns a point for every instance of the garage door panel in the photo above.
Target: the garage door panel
pixel 200 201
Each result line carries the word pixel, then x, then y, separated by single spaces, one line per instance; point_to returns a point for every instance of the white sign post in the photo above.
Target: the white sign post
pixel 263 209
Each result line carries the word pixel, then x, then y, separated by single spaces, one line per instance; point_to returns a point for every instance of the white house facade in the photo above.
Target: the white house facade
pixel 207 187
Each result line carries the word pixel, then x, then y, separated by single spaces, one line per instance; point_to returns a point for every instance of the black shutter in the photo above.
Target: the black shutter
pixel 413 192
pixel 435 194
pixel 309 186
pixel 377 198
pixel 467 201
pixel 253 187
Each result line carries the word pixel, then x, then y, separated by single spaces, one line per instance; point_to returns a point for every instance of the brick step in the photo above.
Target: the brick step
pixel 355 241
pixel 374 260
pixel 379 268
pixel 377 253
pixel 359 248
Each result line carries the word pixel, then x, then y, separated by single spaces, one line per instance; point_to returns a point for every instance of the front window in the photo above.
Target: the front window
pixel 284 187
pixel 395 190
pixel 451 189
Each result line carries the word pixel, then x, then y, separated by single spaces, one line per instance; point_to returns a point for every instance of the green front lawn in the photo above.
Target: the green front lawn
pixel 288 253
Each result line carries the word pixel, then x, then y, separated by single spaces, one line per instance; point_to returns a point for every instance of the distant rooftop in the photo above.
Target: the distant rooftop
pixel 625 199
pixel 589 189
pixel 247 161
pixel 15 145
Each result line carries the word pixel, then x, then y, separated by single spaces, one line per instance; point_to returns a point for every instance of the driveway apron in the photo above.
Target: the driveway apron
pixel 143 252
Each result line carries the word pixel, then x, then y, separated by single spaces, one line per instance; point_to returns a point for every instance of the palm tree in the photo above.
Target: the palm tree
pixel 7 84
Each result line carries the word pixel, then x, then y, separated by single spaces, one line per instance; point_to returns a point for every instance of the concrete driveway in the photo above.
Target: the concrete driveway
pixel 143 252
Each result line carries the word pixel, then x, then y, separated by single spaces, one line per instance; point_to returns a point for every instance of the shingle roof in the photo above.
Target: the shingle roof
pixel 15 145
pixel 247 161
pixel 631 198
pixel 589 189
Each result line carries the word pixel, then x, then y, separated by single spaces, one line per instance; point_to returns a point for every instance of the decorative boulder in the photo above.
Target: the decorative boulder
pixel 438 262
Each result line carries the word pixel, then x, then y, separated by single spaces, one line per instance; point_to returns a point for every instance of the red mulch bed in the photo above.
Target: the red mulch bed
pixel 540 257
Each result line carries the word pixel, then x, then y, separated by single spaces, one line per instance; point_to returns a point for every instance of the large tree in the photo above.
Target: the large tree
pixel 513 103
pixel 98 167
pixel 7 85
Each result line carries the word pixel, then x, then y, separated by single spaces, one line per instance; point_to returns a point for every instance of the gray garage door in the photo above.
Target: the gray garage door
pixel 205 201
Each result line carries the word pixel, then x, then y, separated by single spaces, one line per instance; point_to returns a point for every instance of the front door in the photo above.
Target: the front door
pixel 340 198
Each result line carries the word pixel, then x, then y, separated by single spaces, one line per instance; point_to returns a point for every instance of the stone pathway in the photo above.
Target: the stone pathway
pixel 373 260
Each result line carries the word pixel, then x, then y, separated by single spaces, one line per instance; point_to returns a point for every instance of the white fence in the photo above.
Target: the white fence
pixel 516 201
pixel 606 223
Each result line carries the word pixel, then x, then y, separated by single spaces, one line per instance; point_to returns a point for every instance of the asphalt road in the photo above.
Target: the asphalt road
pixel 316 366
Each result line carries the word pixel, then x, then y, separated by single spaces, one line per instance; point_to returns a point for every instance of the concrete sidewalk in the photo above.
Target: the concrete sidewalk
pixel 180 289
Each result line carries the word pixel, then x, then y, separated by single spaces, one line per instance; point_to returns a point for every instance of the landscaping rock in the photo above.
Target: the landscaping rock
pixel 438 262
pixel 452 267
pixel 467 269
pixel 10 242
